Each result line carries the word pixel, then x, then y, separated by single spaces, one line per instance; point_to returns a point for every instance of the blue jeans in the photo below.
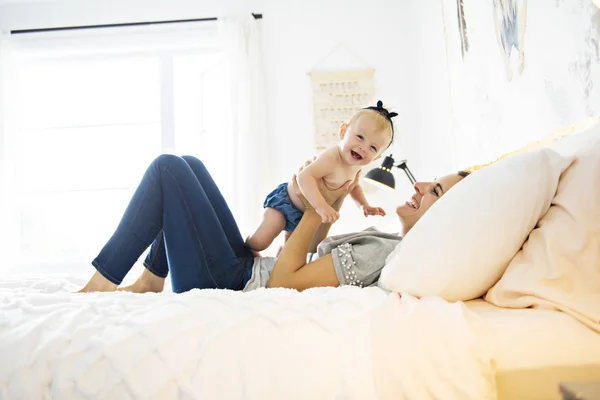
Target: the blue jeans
pixel 178 210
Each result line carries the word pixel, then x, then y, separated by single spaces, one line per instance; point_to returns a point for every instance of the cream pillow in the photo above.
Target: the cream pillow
pixel 463 244
pixel 559 265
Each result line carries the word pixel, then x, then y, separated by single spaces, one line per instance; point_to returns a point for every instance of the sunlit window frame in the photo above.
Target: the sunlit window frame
pixel 164 42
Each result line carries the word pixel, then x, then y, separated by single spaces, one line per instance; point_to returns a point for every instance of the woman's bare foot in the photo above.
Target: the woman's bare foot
pixel 98 283
pixel 147 282
pixel 139 287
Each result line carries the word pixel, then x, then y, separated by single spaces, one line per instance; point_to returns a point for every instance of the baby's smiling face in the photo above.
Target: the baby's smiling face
pixel 364 140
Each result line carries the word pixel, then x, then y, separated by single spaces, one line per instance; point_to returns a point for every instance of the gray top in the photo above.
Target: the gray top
pixel 357 258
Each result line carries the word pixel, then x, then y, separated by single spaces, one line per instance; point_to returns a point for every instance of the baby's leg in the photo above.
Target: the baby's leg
pixel 271 226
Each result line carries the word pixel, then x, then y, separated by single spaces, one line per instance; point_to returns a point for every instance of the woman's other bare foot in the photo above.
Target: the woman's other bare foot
pixel 98 283
pixel 147 282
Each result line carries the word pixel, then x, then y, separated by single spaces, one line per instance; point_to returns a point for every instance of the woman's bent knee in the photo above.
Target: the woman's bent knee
pixel 168 161
pixel 193 161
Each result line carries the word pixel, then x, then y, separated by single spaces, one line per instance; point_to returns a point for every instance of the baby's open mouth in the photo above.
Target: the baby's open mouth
pixel 355 155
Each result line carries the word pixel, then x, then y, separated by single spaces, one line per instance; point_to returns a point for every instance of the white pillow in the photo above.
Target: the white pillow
pixel 559 265
pixel 462 245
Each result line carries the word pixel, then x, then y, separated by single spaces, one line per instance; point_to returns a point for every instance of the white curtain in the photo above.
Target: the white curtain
pixel 8 189
pixel 244 137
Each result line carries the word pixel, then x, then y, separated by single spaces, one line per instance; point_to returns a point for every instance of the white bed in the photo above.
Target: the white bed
pixel 344 343
pixel 268 344
pixel 326 343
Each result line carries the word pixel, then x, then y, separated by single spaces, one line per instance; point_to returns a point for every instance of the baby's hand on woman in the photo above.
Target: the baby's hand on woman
pixel 368 210
pixel 328 214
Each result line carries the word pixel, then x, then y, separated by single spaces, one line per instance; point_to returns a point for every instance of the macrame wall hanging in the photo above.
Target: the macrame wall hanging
pixel 337 93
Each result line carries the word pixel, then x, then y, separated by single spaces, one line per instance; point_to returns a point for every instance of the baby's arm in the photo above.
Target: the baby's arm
pixel 308 183
pixel 359 197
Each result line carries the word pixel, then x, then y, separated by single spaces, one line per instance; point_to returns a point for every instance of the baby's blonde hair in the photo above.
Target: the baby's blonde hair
pixel 382 123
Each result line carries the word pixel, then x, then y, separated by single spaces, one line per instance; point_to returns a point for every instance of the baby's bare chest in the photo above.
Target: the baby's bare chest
pixel 339 176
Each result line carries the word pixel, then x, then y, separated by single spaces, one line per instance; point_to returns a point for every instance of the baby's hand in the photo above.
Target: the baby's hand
pixel 328 214
pixel 368 210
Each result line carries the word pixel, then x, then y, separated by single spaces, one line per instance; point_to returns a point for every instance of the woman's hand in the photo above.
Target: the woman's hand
pixel 306 164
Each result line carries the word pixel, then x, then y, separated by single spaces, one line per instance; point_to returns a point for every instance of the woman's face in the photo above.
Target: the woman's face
pixel 426 193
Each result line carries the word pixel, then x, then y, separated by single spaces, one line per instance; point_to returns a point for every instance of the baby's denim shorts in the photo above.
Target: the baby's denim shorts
pixel 279 199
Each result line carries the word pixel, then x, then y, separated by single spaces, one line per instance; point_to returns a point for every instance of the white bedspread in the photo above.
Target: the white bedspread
pixel 344 343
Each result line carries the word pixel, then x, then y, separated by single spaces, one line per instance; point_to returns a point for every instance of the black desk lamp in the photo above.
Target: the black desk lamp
pixel 383 177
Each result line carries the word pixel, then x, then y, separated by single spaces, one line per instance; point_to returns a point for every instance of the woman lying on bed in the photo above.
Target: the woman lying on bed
pixel 179 211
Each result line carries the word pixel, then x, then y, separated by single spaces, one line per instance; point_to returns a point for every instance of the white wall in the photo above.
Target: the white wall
pixel 410 45
pixel 297 37
pixel 558 86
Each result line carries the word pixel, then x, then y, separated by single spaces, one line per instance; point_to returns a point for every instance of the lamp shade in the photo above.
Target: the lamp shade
pixel 382 178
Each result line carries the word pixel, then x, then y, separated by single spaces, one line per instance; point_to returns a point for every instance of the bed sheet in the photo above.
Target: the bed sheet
pixel 270 343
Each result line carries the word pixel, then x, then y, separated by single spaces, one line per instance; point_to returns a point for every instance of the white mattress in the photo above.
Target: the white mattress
pixel 536 349
pixel 325 343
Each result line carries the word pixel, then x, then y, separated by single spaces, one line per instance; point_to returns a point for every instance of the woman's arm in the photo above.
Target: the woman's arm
pixel 291 269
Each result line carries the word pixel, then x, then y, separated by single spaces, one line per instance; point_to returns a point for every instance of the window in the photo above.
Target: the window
pixel 94 110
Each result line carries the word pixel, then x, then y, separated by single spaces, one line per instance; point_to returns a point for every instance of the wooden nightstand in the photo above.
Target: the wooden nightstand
pixel 580 390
